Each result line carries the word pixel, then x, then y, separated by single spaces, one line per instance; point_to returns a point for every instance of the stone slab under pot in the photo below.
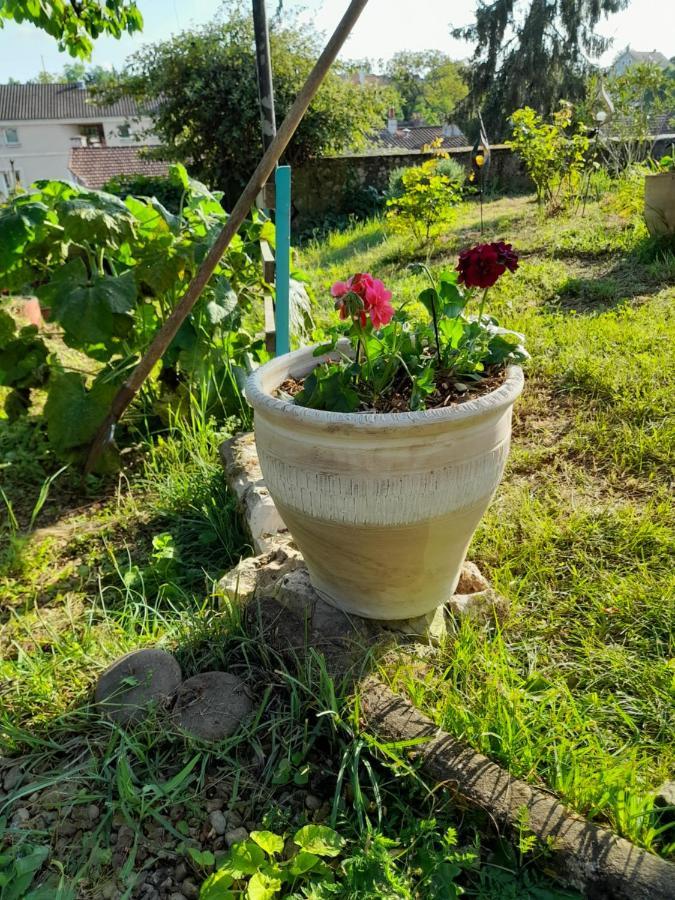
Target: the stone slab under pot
pixel 382 506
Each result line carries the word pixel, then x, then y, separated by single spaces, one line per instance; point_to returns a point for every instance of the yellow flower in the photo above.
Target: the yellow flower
pixel 480 159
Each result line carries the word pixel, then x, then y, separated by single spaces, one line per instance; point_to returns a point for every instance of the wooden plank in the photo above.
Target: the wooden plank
pixel 270 326
pixel 269 264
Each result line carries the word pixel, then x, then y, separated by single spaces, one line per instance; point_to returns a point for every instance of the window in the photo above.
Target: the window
pixel 11 136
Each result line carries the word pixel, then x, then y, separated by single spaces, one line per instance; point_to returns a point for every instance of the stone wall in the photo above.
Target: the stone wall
pixel 335 184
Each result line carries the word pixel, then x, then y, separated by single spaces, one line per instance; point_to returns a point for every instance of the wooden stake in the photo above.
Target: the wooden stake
pixel 241 209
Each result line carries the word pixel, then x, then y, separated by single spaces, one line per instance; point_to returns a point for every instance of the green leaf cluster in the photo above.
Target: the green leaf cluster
pixel 76 25
pixel 108 272
pixel 261 868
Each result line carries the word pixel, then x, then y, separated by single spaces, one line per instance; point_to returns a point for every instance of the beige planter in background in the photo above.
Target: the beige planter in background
pixel 660 203
pixel 382 506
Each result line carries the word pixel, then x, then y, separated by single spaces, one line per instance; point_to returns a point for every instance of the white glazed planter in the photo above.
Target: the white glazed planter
pixel 381 506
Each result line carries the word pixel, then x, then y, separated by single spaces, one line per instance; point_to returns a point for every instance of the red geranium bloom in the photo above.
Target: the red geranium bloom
pixel 362 296
pixel 483 264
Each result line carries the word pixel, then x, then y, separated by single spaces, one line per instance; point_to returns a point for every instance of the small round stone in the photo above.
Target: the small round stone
pixel 132 683
pixel 212 705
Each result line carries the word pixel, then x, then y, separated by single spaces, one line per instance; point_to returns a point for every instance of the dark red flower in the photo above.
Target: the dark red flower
pixel 483 264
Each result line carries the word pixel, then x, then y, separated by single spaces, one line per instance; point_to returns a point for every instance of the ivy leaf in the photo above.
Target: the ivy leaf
pixel 319 840
pixel 244 859
pixel 73 413
pixel 216 886
pixel 263 887
pixel 91 312
pixel 302 862
pixel 269 841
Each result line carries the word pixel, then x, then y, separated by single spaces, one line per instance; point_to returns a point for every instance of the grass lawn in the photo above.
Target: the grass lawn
pixel 575 691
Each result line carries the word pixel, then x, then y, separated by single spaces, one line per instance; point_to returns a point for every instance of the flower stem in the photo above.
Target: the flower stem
pixel 434 316
pixel 482 304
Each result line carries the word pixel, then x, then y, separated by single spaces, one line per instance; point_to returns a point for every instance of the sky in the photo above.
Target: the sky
pixel 384 27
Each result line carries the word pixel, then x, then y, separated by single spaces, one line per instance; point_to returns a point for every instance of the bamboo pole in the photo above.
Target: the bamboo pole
pixel 241 209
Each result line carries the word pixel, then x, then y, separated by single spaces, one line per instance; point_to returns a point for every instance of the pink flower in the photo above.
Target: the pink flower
pixel 369 297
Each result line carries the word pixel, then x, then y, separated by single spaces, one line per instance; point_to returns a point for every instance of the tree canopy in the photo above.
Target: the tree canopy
pixel 530 52
pixel 428 82
pixel 75 24
pixel 209 115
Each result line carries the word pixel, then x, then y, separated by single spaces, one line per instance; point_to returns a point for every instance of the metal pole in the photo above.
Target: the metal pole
pixel 264 69
pixel 283 258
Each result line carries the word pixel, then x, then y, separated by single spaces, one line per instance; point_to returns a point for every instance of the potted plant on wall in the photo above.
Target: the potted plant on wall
pixel 660 197
pixel 383 447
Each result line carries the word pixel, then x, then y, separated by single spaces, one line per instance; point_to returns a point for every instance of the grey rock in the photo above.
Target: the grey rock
pixel 127 687
pixel 236 836
pixel 125 837
pixel 180 872
pixel 20 817
pixel 108 890
pixel 664 801
pixel 234 819
pixel 190 889
pixel 93 812
pixel 12 779
pixel 211 706
pixel 312 803
pixel 177 896
pixel 259 574
pixel 218 822
pixel 432 626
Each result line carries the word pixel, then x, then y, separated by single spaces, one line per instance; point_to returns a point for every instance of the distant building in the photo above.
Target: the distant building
pixel 93 167
pixel 630 57
pixel 41 123
pixel 415 135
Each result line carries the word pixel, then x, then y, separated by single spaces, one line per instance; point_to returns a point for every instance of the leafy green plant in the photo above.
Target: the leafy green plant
pixel 109 273
pixel 426 203
pixel 168 191
pixel 257 867
pixel 20 864
pixel 666 164
pixel 555 153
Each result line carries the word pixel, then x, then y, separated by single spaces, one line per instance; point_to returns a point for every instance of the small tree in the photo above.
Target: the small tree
pixel 209 114
pixel 427 202
pixel 554 153
pixel 428 83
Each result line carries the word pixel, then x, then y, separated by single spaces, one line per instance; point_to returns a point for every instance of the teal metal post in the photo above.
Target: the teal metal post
pixel 282 179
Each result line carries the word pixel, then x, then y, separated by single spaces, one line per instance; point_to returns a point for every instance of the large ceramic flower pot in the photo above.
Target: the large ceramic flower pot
pixel 382 506
pixel 660 203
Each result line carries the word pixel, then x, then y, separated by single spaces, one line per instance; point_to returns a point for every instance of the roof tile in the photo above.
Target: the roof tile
pixel 94 166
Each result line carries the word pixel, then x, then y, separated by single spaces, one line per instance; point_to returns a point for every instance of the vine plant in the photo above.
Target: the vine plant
pixel 107 273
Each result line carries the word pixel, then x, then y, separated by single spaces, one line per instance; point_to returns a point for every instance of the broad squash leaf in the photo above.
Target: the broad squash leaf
pixel 17 226
pixel 73 413
pixel 91 312
pixel 263 887
pixel 216 886
pixel 269 841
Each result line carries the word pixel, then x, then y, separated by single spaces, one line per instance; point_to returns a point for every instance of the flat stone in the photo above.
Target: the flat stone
pixel 482 606
pixel 471 580
pixel 218 821
pixel 244 477
pixel 211 706
pixel 127 687
pixel 236 836
pixel 259 574
pixel 13 778
pixel 431 627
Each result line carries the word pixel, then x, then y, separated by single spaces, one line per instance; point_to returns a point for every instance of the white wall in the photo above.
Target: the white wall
pixel 43 150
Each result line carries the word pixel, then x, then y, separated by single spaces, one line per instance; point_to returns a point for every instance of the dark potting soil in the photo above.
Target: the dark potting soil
pixel 450 391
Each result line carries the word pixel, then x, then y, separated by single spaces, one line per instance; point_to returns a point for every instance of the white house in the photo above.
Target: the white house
pixel 41 123
pixel 630 57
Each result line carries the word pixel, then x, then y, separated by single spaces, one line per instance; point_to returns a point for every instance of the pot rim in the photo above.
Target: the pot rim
pixel 279 368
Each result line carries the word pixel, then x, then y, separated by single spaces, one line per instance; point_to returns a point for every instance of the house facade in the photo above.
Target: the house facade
pixel 630 57
pixel 41 123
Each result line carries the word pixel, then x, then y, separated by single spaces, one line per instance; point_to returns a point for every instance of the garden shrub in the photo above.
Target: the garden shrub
pixel 110 272
pixel 427 204
pixel 555 154
pixel 168 190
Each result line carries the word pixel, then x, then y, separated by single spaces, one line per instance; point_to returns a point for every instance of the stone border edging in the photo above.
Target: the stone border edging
pixel 586 856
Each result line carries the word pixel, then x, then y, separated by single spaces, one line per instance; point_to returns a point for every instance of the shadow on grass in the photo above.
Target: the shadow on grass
pixel 361 241
pixel 640 274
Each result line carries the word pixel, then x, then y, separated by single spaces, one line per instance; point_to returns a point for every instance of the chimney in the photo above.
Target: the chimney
pixel 392 124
